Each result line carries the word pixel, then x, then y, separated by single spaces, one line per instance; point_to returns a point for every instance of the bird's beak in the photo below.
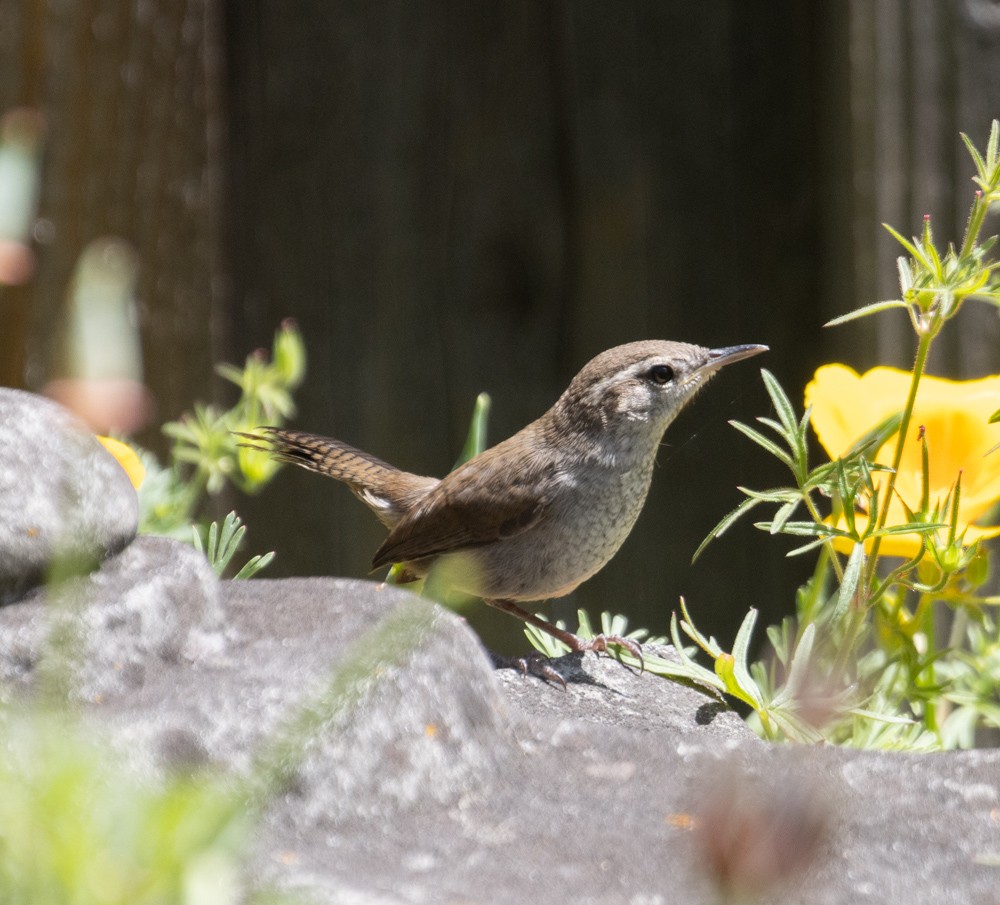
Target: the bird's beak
pixel 718 358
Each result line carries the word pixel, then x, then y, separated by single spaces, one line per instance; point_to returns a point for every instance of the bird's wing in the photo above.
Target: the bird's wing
pixel 476 504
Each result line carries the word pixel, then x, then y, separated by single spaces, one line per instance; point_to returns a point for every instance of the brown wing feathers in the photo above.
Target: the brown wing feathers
pixel 472 506
pixel 426 517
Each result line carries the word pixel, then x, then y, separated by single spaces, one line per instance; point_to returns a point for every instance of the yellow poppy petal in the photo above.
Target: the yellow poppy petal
pixel 127 458
pixel 846 405
pixel 955 417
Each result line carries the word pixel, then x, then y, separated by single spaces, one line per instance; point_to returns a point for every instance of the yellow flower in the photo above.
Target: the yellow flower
pixel 127 458
pixel 955 415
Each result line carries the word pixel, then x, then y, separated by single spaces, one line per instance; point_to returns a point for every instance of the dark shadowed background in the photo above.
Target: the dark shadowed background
pixel 456 197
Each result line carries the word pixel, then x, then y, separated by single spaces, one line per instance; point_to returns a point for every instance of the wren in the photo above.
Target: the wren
pixel 534 516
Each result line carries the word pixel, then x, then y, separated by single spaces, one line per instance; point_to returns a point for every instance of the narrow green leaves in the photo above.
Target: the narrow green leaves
pixel 866 310
pixel 220 545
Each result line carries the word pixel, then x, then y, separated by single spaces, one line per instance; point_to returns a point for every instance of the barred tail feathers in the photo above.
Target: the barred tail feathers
pixel 388 491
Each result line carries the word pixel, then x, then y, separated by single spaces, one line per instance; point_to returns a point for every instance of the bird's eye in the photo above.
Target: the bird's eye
pixel 661 374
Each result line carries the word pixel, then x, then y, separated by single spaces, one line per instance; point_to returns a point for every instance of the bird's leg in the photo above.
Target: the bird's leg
pixel 573 642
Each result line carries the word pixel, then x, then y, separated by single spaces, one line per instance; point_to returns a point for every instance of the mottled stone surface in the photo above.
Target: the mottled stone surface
pixel 427 777
pixel 61 493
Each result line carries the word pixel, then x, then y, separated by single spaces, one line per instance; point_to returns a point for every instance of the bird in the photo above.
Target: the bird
pixel 535 516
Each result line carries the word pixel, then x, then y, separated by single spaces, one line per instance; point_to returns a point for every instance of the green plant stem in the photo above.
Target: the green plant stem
pixel 980 207
pixel 959 623
pixel 814 602
pixel 828 550
pixel 767 726
pixel 919 363
pixel 926 677
pixel 897 575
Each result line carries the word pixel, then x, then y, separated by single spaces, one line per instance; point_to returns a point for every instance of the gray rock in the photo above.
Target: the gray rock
pixel 406 770
pixel 61 493
pixel 156 605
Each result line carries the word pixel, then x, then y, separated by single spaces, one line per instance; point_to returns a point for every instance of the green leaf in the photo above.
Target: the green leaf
pixel 932 252
pixel 771 423
pixel 887 718
pixel 905 270
pixel 866 310
pixel 794 430
pixel 915 252
pixel 794 727
pixel 798 672
pixel 782 516
pixel 847 497
pixel 475 441
pixel 114 837
pixel 732 669
pixel 805 548
pixel 777 495
pixel 544 642
pixel 230 372
pixel 675 639
pixel 819 478
pixel 288 353
pixel 782 405
pixel 724 525
pixel 805 529
pixel 874 439
pixel 221 544
pixel 911 528
pixel 977 158
pixel 849 584
pixel 765 442
pixel 254 565
pixel 709 645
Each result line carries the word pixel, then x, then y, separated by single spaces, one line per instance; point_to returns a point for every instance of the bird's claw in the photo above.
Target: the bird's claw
pixel 534 664
pixel 537 664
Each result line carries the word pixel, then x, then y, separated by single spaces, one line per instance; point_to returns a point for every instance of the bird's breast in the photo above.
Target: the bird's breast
pixel 591 512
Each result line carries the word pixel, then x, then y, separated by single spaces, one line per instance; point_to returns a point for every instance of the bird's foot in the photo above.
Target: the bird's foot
pixel 599 644
pixel 574 642
pixel 534 664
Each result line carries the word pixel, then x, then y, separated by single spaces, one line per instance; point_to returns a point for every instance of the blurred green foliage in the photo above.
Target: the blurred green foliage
pixel 205 455
pixel 78 827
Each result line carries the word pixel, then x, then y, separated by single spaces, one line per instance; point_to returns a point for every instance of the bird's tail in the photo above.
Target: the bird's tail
pixel 388 491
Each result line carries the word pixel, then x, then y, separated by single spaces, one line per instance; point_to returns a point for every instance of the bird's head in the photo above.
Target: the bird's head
pixel 642 386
